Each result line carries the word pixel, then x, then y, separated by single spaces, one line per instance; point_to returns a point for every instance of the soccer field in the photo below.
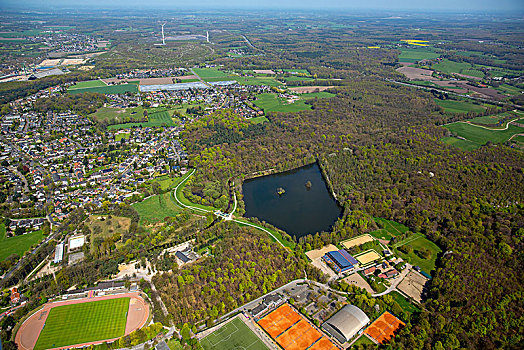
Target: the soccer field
pixel 233 336
pixel 84 322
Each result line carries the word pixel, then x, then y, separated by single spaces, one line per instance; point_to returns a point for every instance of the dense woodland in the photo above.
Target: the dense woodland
pixel 379 145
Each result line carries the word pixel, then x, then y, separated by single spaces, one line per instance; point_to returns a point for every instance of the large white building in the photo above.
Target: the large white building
pixel 59 253
pixel 346 323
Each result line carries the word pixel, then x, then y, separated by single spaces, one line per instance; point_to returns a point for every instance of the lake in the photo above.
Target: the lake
pixel 300 210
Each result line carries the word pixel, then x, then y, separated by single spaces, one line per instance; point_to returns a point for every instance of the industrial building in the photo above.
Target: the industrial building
pixel 340 260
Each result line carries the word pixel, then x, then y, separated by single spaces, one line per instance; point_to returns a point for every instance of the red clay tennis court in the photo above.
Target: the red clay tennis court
pixel 292 331
pixel 384 327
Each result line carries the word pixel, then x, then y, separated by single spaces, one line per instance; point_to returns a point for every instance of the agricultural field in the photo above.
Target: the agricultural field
pixel 118 114
pixel 494 119
pixel 84 322
pixel 234 335
pixel 269 81
pixel 509 89
pixel 450 67
pixel 273 103
pixel 156 208
pixel 18 244
pixel 414 55
pixel 464 145
pixel 454 106
pixel 24 33
pixel 419 242
pixel 209 74
pixel 480 135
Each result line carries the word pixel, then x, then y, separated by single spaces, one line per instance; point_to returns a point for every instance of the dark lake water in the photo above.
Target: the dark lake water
pixel 299 210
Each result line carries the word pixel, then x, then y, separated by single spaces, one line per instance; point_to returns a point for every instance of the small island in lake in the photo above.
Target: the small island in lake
pixel 308 184
pixel 281 191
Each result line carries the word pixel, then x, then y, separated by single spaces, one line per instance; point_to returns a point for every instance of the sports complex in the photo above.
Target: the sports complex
pixel 292 331
pixel 82 322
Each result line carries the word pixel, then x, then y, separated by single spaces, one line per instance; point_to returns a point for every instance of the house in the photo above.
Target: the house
pixel 15 296
pixel 369 271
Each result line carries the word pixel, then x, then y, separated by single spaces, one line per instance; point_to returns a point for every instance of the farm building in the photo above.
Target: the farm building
pixel 346 323
pixel 340 260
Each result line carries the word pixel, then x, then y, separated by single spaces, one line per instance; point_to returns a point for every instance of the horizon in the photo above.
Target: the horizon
pixel 456 6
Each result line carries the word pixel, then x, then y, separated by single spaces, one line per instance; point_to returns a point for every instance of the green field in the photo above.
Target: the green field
pixel 272 103
pixel 509 89
pixel 479 135
pixel 403 302
pixel 388 230
pixel 85 322
pixel 31 32
pixel 298 71
pixel 87 84
pixel 108 89
pixel 419 242
pixel 363 340
pixel 269 81
pixel 156 208
pixel 207 74
pixel 155 119
pixel 464 145
pixel 234 335
pixel 414 55
pixel 119 137
pixel 258 120
pixel 453 106
pixel 104 228
pixel 450 67
pixel 18 244
pixel 493 119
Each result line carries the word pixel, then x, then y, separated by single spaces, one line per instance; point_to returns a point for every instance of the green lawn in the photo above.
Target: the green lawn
pixel 174 344
pixel 404 303
pixel 19 244
pixel 234 335
pixel 84 322
pixel 156 119
pixel 414 55
pixel 119 137
pixel 389 229
pixel 87 84
pixel 427 265
pixel 480 135
pixel 258 120
pixel 453 106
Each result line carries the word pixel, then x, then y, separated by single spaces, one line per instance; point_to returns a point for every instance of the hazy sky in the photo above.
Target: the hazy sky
pixel 458 5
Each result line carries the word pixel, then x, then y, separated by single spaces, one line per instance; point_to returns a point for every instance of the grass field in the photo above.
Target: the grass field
pixel 174 345
pixel 209 73
pixel 404 303
pixel 509 89
pixel 453 106
pixel 233 336
pixel 85 322
pixel 450 67
pixel 87 84
pixel 156 119
pixel 269 81
pixel 258 120
pixel 30 32
pixel 414 55
pixel 479 135
pixel 464 145
pixel 156 208
pixel 363 340
pixel 427 265
pixel 389 229
pixel 272 103
pixel 108 89
pixel 19 244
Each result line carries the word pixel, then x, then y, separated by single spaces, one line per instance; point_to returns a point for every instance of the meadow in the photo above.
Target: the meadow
pixel 87 84
pixel 19 244
pixel 450 67
pixel 208 74
pixel 414 55
pixel 454 106
pixel 272 103
pixel 479 135
pixel 156 119
pixel 388 229
pixel 420 242
pixel 404 303
pixel 84 322
pixel 156 208
pixel 107 89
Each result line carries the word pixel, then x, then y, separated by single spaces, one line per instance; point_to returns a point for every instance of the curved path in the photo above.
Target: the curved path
pixel 30 330
pixel 210 211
